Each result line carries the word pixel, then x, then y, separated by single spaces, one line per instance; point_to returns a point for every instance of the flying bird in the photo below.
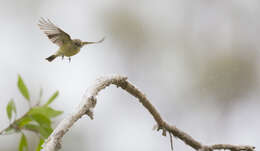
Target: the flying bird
pixel 67 47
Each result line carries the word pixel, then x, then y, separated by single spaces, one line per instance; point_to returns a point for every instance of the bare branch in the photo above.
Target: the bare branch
pixel 53 143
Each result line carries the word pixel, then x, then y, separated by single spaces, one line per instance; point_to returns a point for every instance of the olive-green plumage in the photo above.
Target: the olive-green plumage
pixel 68 47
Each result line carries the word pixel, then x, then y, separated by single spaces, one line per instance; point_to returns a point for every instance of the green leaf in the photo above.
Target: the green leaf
pixel 39 147
pixel 23 121
pixel 37 122
pixel 10 108
pixel 41 119
pixel 44 131
pixel 45 110
pixel 40 97
pixel 52 98
pixel 22 88
pixel 23 146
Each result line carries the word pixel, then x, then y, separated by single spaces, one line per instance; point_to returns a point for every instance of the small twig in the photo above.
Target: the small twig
pixel 53 143
pixel 231 147
pixel 12 125
pixel 171 141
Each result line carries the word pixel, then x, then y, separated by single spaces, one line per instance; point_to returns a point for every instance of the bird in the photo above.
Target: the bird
pixel 67 47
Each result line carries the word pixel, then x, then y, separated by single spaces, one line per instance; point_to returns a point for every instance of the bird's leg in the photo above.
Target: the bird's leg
pixel 62 57
pixel 69 59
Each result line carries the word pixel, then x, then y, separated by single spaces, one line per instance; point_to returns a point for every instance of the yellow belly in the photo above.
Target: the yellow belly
pixel 69 50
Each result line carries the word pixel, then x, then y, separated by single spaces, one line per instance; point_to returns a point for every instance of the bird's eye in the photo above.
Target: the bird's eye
pixel 78 44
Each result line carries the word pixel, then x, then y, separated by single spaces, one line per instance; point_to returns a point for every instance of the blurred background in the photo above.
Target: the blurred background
pixel 197 61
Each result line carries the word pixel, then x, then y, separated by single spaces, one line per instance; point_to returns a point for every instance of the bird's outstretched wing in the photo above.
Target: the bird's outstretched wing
pixel 54 33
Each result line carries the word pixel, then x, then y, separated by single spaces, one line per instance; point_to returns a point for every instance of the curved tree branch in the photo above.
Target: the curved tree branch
pixel 53 143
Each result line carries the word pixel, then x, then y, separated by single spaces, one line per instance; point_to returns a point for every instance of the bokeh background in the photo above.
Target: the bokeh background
pixel 197 61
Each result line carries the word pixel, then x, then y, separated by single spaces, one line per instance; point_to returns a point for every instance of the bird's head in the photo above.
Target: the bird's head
pixel 78 42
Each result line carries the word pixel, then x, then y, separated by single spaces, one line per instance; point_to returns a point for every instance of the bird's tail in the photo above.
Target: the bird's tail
pixel 52 57
pixel 95 42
